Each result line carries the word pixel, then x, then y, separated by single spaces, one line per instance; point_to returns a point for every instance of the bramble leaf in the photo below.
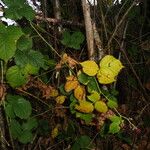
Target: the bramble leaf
pixel 85 107
pixel 80 92
pixel 8 39
pixel 101 107
pixel 89 67
pixel 18 9
pixel 15 77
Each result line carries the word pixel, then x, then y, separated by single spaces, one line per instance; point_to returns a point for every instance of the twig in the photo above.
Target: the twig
pixel 27 93
pixel 118 25
pixel 59 21
pixel 44 39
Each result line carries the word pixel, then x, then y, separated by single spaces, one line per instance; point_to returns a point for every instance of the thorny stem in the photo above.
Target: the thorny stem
pixel 44 39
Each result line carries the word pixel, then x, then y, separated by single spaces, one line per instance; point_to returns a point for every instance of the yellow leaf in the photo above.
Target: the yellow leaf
pixel 101 107
pixel 54 132
pixel 85 107
pixel 106 76
pixel 112 63
pixel 89 67
pixel 80 92
pixel 95 96
pixel 53 93
pixel 71 83
pixel 60 99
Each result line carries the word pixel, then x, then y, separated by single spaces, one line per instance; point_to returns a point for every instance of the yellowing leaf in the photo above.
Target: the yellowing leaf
pixel 60 99
pixel 106 76
pixel 95 96
pixel 101 107
pixel 80 92
pixel 89 67
pixel 85 107
pixel 112 63
pixel 71 83
pixel 54 132
pixel 53 92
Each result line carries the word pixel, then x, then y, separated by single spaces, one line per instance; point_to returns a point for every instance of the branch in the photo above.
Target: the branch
pixel 118 25
pixel 55 21
pixel 89 29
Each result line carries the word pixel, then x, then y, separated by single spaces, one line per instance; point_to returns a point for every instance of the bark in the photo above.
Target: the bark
pixel 89 30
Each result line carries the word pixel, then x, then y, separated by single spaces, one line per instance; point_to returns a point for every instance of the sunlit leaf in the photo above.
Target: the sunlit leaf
pixel 112 63
pixel 101 107
pixel 89 67
pixel 105 76
pixel 85 107
pixel 80 92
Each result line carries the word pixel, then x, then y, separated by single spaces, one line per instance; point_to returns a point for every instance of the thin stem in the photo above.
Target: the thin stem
pixel 119 23
pixel 44 40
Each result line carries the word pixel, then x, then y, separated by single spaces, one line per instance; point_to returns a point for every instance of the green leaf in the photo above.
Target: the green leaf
pixel 8 39
pixel 86 117
pixel 114 127
pixel 31 57
pixel 25 137
pixel 15 77
pixel 72 40
pixel 18 9
pixel 9 111
pixel 92 85
pixel 15 129
pixel 95 96
pixel 83 142
pixel 30 69
pixel 83 78
pixel 112 101
pixel 24 43
pixel 22 108
pixel 116 119
pixel 30 124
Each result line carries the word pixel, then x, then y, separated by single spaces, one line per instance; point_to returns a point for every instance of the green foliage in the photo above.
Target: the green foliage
pixel 82 143
pixel 15 76
pixel 31 57
pixel 24 43
pixel 73 40
pixel 8 39
pixel 17 9
pixel 115 126
pixel 17 107
pixel 22 108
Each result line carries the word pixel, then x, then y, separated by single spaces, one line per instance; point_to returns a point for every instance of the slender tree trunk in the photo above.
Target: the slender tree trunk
pixel 89 30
